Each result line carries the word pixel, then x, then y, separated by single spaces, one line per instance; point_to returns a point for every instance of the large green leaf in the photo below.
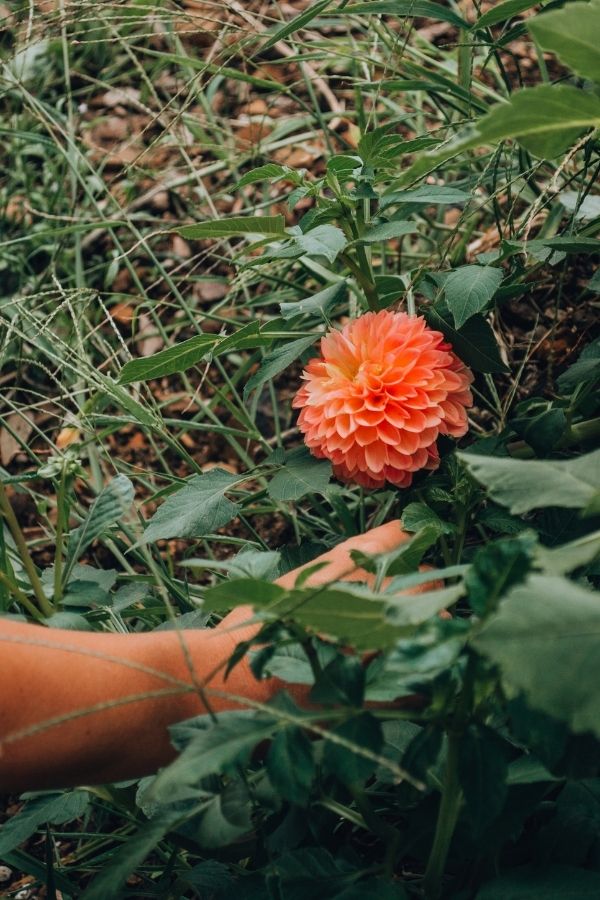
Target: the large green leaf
pixel 387 230
pixel 469 289
pixel 301 474
pixel 196 509
pixel 271 226
pixel 545 640
pixel 572 34
pixel 482 770
pixel 109 506
pixel 324 240
pixel 474 342
pixel 522 485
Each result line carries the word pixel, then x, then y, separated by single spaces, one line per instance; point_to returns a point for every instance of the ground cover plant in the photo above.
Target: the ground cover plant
pixel 192 195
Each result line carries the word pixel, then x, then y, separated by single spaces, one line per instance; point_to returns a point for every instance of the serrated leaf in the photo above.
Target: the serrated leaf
pixel 324 240
pixel 301 474
pixel 474 343
pixel 545 640
pixel 276 362
pixel 198 508
pixel 110 505
pixel 523 485
pixel 572 34
pixel 272 226
pixel 55 808
pixel 418 515
pixel 318 303
pixel 469 290
pixel 263 173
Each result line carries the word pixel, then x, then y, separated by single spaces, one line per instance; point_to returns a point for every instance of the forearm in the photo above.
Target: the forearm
pixel 96 707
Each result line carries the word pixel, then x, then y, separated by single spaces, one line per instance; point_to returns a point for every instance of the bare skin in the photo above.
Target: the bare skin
pixel 130 687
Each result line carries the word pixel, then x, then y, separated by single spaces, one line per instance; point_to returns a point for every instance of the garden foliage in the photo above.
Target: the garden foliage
pixel 486 783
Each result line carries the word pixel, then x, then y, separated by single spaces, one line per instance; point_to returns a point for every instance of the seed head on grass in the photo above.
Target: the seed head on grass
pixel 377 398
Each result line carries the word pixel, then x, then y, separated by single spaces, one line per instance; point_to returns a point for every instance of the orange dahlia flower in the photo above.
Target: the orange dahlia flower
pixel 376 400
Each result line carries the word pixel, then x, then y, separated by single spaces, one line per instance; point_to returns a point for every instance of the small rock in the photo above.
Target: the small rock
pixel 5 874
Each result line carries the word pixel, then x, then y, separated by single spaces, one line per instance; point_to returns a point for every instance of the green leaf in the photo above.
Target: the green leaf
pixel 121 397
pixel 545 640
pixel 501 12
pixel 54 808
pixel 301 474
pixel 386 231
pixel 587 368
pixel 295 24
pixel 348 765
pixel 324 240
pixel 264 173
pixel 469 290
pixel 110 505
pixel 290 765
pixel 212 748
pixel 342 681
pixel 406 9
pixel 547 882
pixel 276 362
pixel 496 568
pixel 188 353
pixel 427 194
pixel 572 34
pixel 413 610
pixel 416 516
pixel 482 771
pixel 271 226
pixel 523 485
pixel 318 304
pixel 546 120
pixel 198 508
pixel 542 431
pixel 567 557
pixel 475 343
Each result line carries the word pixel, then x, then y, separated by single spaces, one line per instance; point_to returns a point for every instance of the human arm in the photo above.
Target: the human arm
pixel 79 707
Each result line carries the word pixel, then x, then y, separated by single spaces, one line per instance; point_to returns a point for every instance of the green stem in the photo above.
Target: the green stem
pixel 28 564
pixel 581 431
pixel 61 517
pixel 447 816
pixel 364 281
pixel 21 598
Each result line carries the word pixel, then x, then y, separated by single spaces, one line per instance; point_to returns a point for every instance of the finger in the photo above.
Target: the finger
pixel 339 563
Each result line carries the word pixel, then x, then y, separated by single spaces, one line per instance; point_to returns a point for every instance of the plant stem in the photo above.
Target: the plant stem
pixel 22 598
pixel 28 564
pixel 446 821
pixel 61 516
